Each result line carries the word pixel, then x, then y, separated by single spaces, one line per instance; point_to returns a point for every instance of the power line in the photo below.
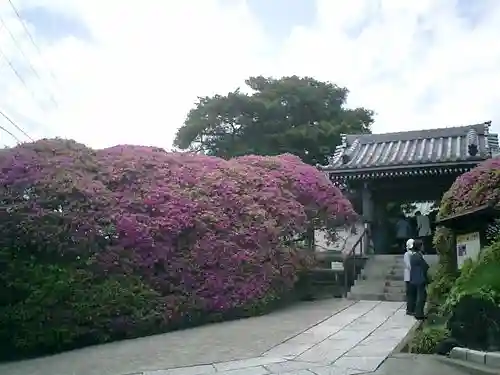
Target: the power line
pixel 18 75
pixel 11 134
pixel 2 55
pixel 16 126
pixel 4 25
pixel 30 37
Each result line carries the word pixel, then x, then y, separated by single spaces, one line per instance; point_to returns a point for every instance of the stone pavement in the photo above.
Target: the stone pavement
pixel 334 337
pixel 414 364
pixel 356 340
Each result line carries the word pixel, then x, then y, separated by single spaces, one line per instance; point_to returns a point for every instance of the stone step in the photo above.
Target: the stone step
pixel 430 258
pixel 382 279
pixel 381 282
pixel 395 290
pixel 378 288
pixel 380 275
pixel 388 257
pixel 353 295
pixel 368 289
pixel 396 283
pixel 388 267
pixel 385 265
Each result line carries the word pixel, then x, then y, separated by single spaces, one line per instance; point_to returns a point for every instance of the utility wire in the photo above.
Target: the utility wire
pixel 32 40
pixel 18 75
pixel 30 37
pixel 11 134
pixel 2 55
pixel 16 126
pixel 4 25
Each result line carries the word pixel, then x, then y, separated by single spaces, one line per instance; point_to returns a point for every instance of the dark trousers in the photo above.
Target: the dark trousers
pixel 420 300
pixel 411 298
pixel 427 242
pixel 401 244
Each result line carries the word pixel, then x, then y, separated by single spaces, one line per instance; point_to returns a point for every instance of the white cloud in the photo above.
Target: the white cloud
pixel 146 65
pixel 416 63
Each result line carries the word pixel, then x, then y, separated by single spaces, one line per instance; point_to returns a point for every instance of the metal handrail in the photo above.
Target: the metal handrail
pixel 352 255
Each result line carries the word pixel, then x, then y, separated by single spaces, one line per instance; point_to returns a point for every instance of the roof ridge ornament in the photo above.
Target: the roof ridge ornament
pixel 472 142
pixel 487 125
pixel 342 147
pixel 351 150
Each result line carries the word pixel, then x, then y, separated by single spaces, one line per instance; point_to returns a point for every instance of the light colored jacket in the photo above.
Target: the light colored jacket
pixel 424 226
pixel 406 259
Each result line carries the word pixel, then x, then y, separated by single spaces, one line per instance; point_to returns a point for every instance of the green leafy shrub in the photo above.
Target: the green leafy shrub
pixel 468 300
pixel 443 242
pixel 445 273
pixel 426 340
pixel 479 277
pixel 479 186
pixel 440 286
pixel 52 307
pixel 473 304
pixel 491 253
pixel 475 320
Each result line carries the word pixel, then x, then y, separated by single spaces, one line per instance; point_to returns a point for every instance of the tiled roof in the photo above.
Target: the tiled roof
pixel 446 146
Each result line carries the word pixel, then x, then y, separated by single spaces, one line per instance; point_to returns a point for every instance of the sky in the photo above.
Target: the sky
pixel 128 71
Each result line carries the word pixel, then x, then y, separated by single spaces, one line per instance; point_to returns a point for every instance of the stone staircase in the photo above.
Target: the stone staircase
pixel 382 279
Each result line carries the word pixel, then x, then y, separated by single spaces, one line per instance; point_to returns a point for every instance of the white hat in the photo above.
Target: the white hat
pixel 410 243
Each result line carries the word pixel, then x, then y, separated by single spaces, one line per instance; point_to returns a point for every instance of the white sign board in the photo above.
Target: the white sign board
pixel 468 247
pixel 337 266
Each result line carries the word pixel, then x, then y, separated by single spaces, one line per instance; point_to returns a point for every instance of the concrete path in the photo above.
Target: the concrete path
pixel 412 364
pixel 331 337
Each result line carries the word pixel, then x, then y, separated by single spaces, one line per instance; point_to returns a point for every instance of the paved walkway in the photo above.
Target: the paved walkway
pixel 415 364
pixel 331 337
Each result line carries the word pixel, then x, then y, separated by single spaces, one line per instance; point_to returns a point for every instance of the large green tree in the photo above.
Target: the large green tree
pixel 297 115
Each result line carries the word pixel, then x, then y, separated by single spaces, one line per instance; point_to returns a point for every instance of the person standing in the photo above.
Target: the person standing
pixel 424 230
pixel 410 290
pixel 419 279
pixel 403 232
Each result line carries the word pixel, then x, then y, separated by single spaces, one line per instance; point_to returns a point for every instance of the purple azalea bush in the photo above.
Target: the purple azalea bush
pixel 479 186
pixel 99 245
pixel 324 205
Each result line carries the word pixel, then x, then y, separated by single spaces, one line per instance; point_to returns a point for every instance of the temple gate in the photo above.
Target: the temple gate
pixel 374 169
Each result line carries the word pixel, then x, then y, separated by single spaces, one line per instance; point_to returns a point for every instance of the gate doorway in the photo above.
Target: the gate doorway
pixel 399 221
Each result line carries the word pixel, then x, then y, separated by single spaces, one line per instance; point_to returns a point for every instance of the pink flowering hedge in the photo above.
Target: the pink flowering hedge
pixel 479 186
pixel 99 245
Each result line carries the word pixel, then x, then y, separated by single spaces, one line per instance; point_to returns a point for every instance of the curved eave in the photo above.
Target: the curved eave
pixel 431 169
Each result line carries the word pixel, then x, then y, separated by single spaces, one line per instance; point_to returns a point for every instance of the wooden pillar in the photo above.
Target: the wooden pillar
pixel 368 214
pixel 379 225
pixel 367 203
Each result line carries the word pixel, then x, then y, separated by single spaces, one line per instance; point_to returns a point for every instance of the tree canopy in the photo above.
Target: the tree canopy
pixel 301 116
